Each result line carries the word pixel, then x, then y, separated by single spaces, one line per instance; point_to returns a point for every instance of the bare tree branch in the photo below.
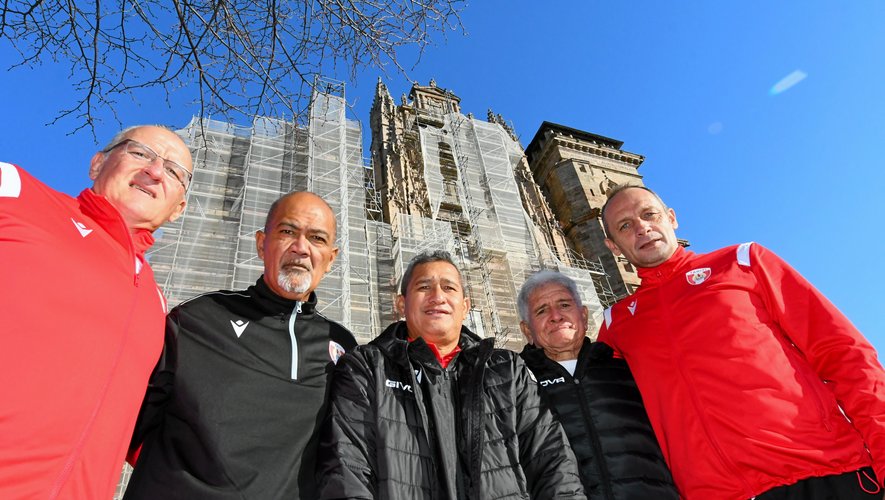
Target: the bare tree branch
pixel 245 57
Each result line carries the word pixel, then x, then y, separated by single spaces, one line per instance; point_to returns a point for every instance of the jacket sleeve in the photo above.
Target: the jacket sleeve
pixel 159 390
pixel 835 349
pixel 546 457
pixel 346 452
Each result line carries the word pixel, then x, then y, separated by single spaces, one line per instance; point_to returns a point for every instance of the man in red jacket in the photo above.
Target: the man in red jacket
pixel 82 319
pixel 747 371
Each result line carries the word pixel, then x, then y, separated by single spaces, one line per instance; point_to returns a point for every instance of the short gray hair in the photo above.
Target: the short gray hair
pixel 542 278
pixel 427 258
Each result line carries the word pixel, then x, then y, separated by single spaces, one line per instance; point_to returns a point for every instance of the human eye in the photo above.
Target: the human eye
pixel 140 153
pixel 173 173
pixel 624 226
pixel 318 239
pixel 650 215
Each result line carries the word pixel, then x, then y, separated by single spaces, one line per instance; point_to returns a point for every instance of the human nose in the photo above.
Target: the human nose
pixel 299 245
pixel 643 226
pixel 155 169
pixel 555 316
pixel 436 295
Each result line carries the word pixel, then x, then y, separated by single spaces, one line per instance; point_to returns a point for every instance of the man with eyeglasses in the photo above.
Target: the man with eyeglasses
pixel 82 319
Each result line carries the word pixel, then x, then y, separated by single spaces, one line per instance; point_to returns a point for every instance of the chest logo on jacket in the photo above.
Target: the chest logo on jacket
pixel 698 276
pixel 335 351
pixel 81 228
pixel 239 326
pixel 559 380
pixel 632 307
pixel 396 384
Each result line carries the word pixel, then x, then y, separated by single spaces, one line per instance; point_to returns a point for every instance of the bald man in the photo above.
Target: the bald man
pixel 232 406
pixel 755 384
pixel 82 319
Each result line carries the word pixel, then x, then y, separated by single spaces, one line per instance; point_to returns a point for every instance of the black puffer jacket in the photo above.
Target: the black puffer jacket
pixel 402 427
pixel 602 413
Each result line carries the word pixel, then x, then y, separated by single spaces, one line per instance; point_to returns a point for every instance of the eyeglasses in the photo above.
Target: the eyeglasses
pixel 147 156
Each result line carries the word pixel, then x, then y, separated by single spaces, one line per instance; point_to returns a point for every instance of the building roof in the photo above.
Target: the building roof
pixel 535 145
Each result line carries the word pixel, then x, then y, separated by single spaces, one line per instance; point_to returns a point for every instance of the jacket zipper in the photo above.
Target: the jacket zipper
pixel 724 460
pixel 295 312
pixel 67 468
pixel 75 454
pixel 594 439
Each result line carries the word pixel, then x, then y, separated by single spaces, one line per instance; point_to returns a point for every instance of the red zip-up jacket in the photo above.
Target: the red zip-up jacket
pixel 81 326
pixel 743 366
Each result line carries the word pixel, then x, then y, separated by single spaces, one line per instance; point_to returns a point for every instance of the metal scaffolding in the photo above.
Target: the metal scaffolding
pixel 241 171
pixel 476 212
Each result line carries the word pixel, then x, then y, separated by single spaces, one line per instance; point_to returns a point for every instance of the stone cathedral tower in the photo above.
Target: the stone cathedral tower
pixel 450 181
pixel 575 169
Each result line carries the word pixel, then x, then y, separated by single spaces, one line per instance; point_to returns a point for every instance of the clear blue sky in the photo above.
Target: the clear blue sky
pixel 686 84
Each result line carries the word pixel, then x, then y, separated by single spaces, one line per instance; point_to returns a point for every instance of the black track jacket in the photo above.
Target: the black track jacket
pixel 602 413
pixel 402 427
pixel 233 404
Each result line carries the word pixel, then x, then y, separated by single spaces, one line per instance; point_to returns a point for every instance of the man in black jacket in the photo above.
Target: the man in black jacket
pixel 592 393
pixel 428 410
pixel 233 403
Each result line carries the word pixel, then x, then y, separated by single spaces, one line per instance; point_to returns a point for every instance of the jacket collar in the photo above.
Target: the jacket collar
pixel 663 271
pixel 591 352
pixel 394 342
pixel 277 304
pixel 99 209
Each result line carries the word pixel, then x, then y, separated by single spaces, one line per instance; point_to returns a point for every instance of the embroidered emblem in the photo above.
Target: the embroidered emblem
pixel 698 276
pixel 396 384
pixel 632 307
pixel 335 351
pixel 84 231
pixel 239 326
pixel 560 380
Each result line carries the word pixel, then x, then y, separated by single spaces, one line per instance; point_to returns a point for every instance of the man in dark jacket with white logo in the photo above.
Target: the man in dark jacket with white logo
pixel 428 410
pixel 593 394
pixel 232 406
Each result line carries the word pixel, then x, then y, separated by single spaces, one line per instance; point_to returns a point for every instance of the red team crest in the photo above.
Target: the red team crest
pixel 335 351
pixel 698 276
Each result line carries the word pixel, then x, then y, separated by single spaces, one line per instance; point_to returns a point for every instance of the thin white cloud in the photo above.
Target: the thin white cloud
pixel 788 82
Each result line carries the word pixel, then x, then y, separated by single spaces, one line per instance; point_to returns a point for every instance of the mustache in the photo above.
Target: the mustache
pixel 295 265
